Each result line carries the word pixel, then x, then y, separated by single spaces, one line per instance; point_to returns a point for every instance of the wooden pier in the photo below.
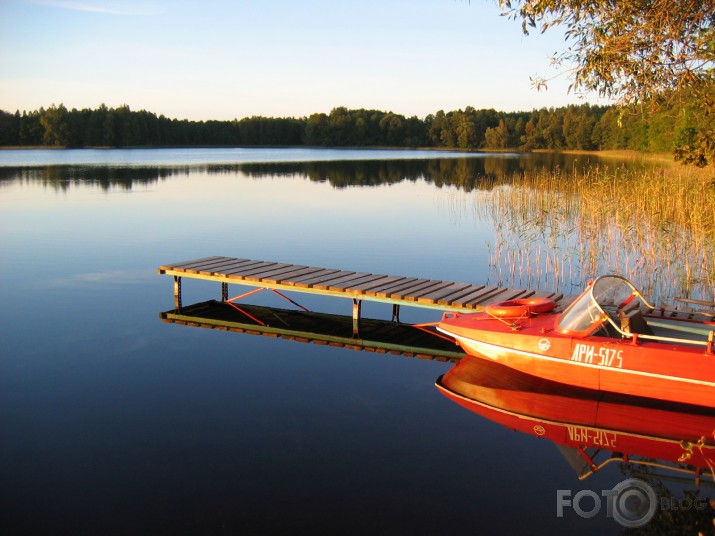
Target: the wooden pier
pixel 358 286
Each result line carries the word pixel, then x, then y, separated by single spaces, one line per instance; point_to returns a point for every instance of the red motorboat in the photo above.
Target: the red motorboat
pixel 609 339
pixel 591 428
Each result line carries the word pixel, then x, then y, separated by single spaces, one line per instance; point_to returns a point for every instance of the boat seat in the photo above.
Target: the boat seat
pixel 633 322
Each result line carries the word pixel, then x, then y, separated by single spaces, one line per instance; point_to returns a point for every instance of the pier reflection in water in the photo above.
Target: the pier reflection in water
pixel 378 336
pixel 671 446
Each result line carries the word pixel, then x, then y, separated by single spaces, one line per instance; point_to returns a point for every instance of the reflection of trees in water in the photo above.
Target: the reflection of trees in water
pixel 468 173
pixel 107 178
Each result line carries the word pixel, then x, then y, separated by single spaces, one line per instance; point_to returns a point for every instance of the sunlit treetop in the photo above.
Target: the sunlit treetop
pixel 647 53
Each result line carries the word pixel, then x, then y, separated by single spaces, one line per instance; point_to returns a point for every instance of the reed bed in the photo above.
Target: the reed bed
pixel 555 230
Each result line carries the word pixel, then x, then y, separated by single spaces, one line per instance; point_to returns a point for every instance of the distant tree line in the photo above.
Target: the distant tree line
pixel 583 126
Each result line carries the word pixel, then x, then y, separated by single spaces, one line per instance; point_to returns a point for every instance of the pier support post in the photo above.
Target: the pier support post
pixel 396 313
pixel 177 292
pixel 357 305
pixel 224 292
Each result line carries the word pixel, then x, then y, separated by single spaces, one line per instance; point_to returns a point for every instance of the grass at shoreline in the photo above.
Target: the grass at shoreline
pixel 557 229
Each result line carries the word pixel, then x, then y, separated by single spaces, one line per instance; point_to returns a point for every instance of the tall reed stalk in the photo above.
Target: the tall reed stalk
pixel 556 230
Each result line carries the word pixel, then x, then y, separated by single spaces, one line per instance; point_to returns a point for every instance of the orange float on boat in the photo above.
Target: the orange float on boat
pixel 520 307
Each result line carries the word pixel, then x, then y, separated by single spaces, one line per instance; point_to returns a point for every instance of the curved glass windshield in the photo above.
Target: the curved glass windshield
pixel 589 311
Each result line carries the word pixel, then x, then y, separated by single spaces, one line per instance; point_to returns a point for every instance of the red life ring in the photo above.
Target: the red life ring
pixel 518 308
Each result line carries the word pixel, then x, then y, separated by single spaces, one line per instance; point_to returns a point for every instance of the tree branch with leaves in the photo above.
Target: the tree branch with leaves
pixel 645 53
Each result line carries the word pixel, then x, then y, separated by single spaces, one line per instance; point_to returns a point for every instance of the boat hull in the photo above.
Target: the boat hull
pixel 665 372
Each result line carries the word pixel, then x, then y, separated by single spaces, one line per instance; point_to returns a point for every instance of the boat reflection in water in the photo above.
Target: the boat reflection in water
pixel 591 428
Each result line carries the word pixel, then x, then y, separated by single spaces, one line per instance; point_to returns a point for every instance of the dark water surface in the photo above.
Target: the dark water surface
pixel 112 422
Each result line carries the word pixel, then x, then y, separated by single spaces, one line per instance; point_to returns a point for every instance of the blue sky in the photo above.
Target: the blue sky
pixel 226 59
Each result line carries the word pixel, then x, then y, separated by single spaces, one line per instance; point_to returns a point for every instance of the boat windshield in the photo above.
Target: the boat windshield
pixel 589 311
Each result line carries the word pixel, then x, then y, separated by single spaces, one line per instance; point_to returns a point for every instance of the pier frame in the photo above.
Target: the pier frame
pixel 358 286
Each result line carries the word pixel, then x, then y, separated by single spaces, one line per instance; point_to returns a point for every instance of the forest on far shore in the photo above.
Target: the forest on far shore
pixel 573 127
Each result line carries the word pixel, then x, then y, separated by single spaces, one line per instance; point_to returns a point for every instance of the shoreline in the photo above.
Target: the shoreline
pixel 611 153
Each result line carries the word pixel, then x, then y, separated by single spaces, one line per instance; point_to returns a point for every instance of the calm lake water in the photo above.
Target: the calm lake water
pixel 114 422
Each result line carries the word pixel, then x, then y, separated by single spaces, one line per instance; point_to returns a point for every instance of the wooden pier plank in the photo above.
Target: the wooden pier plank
pixel 244 272
pixel 356 286
pixel 483 301
pixel 340 280
pixel 683 314
pixel 184 264
pixel 229 265
pixel 504 295
pixel 436 295
pixel 386 287
pixel 208 268
pixel 399 287
pixel 202 266
pixel 214 262
pixel 433 287
pixel 409 293
pixel 304 281
pixel 379 283
pixel 328 275
pixel 269 275
pixel 289 278
pixel 258 272
pixel 457 296
pixel 477 296
pixel 555 296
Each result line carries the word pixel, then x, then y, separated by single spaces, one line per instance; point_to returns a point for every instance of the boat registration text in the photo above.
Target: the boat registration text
pixel 592 437
pixel 602 357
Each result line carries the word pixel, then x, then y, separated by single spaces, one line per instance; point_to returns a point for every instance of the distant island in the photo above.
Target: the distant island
pixel 574 127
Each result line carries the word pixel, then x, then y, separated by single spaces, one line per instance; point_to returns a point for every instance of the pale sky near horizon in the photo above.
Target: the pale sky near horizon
pixel 224 59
